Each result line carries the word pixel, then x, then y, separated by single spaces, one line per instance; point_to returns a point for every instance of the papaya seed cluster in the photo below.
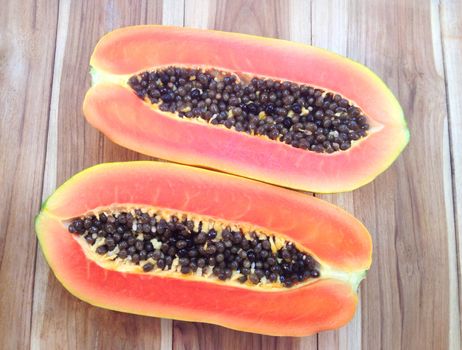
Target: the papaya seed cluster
pixel 188 247
pixel 299 115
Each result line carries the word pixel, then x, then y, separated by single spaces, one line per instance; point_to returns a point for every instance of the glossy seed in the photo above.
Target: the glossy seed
pixel 254 278
pixel 102 249
pixel 148 267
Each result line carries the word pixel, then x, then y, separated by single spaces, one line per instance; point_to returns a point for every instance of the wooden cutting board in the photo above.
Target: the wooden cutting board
pixel 411 297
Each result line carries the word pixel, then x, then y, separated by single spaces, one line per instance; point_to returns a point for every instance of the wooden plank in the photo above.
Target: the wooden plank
pixel 173 12
pixel 405 298
pixel 198 336
pixel 27 44
pixel 282 19
pixel 60 320
pixel 330 31
pixel 50 173
pixel 451 30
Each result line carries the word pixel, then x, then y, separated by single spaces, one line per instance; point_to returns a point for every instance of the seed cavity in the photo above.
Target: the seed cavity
pixel 299 115
pixel 207 248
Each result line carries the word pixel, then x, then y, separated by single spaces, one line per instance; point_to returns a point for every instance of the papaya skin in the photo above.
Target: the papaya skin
pixel 111 107
pixel 338 240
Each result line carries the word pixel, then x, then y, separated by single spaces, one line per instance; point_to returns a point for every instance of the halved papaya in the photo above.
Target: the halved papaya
pixel 174 241
pixel 276 111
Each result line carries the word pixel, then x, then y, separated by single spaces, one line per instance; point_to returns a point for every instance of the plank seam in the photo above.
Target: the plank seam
pixel 451 158
pixel 453 184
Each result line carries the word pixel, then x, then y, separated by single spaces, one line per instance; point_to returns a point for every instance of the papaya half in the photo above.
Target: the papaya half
pixel 168 240
pixel 272 110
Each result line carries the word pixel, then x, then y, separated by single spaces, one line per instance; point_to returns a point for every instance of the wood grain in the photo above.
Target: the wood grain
pixel 451 35
pixel 411 298
pixel 405 298
pixel 61 321
pixel 27 46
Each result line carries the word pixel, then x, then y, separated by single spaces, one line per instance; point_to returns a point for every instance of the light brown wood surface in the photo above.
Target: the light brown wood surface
pixel 411 298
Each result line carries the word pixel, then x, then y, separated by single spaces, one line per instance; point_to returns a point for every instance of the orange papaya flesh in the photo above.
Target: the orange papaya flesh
pixel 340 244
pixel 112 107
